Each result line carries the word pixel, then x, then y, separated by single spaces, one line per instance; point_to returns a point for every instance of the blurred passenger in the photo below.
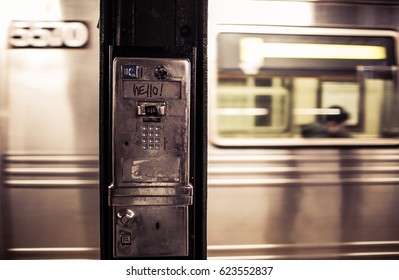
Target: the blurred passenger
pixel 333 126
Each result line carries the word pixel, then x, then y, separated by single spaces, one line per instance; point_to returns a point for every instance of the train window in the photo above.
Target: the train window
pixel 255 107
pixel 264 94
pixel 381 87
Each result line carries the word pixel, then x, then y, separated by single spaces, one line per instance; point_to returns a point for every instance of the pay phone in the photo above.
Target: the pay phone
pixel 151 193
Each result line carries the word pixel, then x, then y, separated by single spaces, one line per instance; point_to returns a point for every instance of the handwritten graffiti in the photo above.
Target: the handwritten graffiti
pixel 147 89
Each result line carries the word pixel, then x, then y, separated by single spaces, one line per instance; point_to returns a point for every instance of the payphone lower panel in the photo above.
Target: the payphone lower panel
pixel 150 231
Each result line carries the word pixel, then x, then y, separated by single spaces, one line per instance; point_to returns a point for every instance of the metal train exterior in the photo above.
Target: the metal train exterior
pixel 49 145
pixel 272 194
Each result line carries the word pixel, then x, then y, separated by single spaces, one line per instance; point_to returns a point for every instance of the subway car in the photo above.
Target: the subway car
pixel 49 129
pixel 277 69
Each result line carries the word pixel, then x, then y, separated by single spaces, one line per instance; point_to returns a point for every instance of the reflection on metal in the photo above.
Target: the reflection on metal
pixel 266 12
pixel 42 171
pixel 39 10
pixel 51 183
pixel 343 250
pixel 54 253
pixel 49 159
pixel 242 111
pixel 316 111
pixel 310 51
pixel 65 170
pixel 65 187
pixel 321 182
pixel 152 200
pixel 303 203
pixel 54 249
pixel 262 170
pixel 254 50
pixel 125 216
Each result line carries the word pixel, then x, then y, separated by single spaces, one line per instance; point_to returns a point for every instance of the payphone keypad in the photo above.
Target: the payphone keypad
pixel 151 137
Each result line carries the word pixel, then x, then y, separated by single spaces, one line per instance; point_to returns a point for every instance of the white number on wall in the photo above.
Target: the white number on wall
pixel 48 34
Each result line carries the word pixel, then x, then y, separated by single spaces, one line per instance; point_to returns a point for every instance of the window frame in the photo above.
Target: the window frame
pixel 217 140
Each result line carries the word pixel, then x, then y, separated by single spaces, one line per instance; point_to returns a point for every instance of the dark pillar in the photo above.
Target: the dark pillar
pixel 156 28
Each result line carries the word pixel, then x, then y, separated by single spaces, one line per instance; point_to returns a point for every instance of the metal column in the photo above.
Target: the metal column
pixel 152 31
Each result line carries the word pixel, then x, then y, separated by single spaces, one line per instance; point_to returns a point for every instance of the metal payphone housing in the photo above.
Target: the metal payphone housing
pixel 151 191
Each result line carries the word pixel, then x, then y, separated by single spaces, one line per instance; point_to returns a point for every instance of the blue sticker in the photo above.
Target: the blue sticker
pixel 130 71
